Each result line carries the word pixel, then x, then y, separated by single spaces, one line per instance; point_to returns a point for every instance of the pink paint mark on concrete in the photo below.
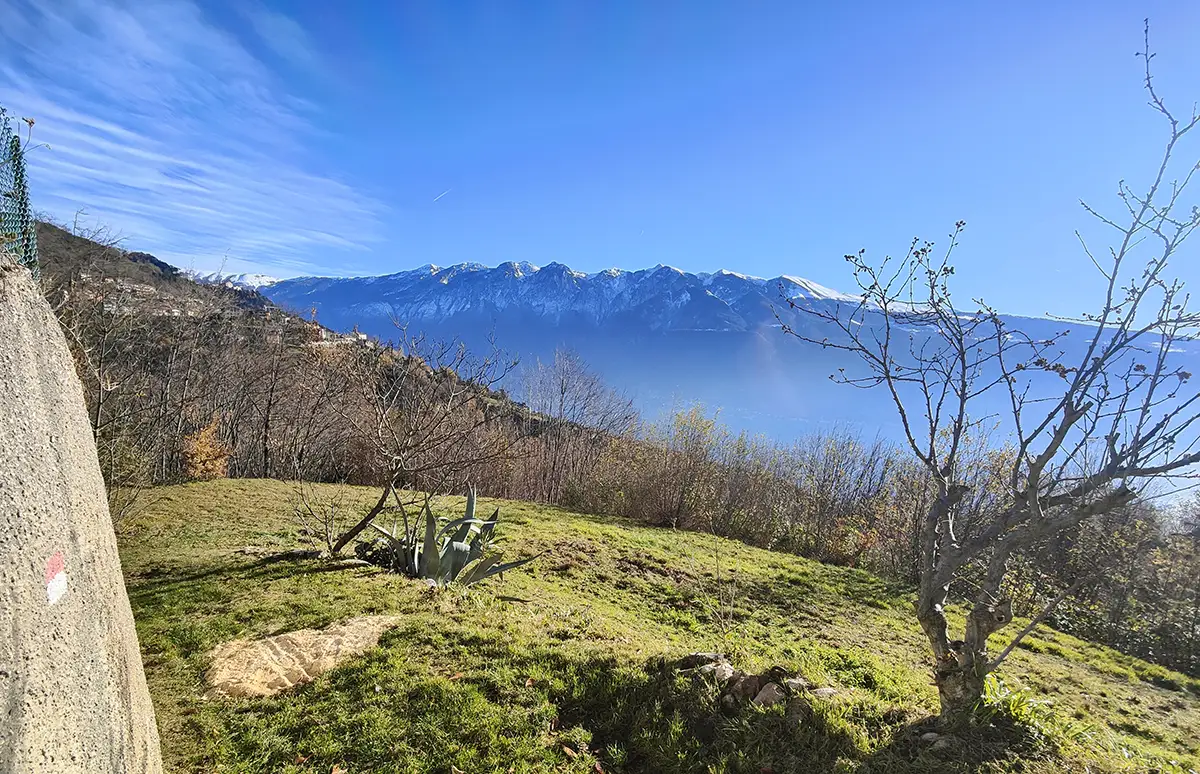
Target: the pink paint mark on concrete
pixel 56 577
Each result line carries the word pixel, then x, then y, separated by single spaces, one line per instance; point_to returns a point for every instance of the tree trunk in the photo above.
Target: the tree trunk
pixel 960 686
pixel 365 522
pixel 960 666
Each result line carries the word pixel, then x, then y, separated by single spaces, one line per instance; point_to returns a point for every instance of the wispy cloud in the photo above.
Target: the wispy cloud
pixel 286 38
pixel 164 126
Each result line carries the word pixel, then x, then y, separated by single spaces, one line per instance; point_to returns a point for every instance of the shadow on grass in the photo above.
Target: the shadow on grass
pixel 442 694
pixel 979 750
pixel 542 709
pixel 163 583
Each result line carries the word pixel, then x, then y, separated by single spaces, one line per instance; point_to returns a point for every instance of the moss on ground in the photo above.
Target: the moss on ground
pixel 562 665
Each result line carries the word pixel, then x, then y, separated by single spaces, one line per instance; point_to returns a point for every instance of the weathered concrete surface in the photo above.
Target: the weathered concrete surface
pixel 73 695
pixel 273 664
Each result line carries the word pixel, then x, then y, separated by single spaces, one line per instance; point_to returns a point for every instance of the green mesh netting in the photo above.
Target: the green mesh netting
pixel 18 232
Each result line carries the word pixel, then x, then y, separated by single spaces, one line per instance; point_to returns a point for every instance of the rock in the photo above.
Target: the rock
pixel 770 695
pixel 693 660
pixel 73 695
pixel 945 743
pixel 268 666
pixel 797 684
pixel 721 672
pixel 930 736
pixel 743 687
pixel 799 709
pixel 775 674
pixel 824 693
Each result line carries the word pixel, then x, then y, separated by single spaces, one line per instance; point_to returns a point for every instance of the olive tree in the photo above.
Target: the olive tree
pixel 1091 422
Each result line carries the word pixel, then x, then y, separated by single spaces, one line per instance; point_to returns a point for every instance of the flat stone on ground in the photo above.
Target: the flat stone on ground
pixel 270 665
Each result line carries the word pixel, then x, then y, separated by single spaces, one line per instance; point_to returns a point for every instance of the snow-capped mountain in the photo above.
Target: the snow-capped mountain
pixel 666 336
pixel 247 281
pixel 659 299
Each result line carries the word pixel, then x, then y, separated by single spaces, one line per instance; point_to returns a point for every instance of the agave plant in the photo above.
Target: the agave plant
pixel 449 553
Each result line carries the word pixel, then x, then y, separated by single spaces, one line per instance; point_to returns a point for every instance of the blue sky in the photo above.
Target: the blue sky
pixel 766 138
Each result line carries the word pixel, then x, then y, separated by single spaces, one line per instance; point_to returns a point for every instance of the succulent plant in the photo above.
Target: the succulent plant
pixel 443 553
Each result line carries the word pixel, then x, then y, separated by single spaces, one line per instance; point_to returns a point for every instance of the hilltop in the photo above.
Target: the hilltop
pixel 565 664
pixel 71 262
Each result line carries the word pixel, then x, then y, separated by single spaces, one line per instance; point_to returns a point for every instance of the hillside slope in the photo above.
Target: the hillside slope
pixel 558 666
pixel 67 259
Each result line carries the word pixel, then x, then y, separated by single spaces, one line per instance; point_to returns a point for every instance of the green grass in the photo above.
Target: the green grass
pixel 562 665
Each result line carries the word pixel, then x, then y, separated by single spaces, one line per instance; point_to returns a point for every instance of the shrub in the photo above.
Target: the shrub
pixel 205 457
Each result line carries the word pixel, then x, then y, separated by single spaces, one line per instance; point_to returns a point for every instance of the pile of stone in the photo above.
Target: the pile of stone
pixel 764 690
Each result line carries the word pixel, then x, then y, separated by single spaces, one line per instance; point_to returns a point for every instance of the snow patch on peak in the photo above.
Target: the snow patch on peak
pixel 519 268
pixel 810 289
pixel 245 281
pixel 709 278
pixel 554 267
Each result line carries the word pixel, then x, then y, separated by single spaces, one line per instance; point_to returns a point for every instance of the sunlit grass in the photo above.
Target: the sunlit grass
pixel 563 665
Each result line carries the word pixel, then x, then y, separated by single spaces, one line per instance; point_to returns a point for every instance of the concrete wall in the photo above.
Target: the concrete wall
pixel 73 695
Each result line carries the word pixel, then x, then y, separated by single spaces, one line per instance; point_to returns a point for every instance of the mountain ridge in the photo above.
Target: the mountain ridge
pixel 664 336
pixel 661 298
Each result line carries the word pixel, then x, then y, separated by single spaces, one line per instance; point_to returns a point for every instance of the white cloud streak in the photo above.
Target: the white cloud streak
pixel 282 35
pixel 165 127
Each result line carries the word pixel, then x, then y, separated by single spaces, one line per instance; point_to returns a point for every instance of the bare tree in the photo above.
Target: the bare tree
pixel 574 415
pixel 321 517
pixel 429 418
pixel 1088 430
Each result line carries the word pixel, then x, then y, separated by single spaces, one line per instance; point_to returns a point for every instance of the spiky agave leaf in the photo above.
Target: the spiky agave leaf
pixel 484 538
pixel 455 557
pixel 489 567
pixel 450 552
pixel 430 553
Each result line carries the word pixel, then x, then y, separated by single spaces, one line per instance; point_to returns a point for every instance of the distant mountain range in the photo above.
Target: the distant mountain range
pixel 666 336
pixel 245 281
pixel 661 299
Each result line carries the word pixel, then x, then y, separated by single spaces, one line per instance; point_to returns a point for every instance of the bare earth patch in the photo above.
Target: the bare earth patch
pixel 270 665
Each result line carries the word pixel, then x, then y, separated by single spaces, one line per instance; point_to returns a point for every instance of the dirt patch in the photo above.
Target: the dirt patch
pixel 653 568
pixel 273 664
pixel 571 555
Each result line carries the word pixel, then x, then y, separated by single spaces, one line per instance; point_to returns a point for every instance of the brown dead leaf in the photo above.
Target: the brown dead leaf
pixel 529 681
pixel 570 753
pixel 596 767
pixel 457 676
pixel 337 770
pixel 302 758
pixel 456 770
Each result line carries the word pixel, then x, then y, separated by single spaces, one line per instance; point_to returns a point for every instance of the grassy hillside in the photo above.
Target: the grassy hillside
pixel 560 666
